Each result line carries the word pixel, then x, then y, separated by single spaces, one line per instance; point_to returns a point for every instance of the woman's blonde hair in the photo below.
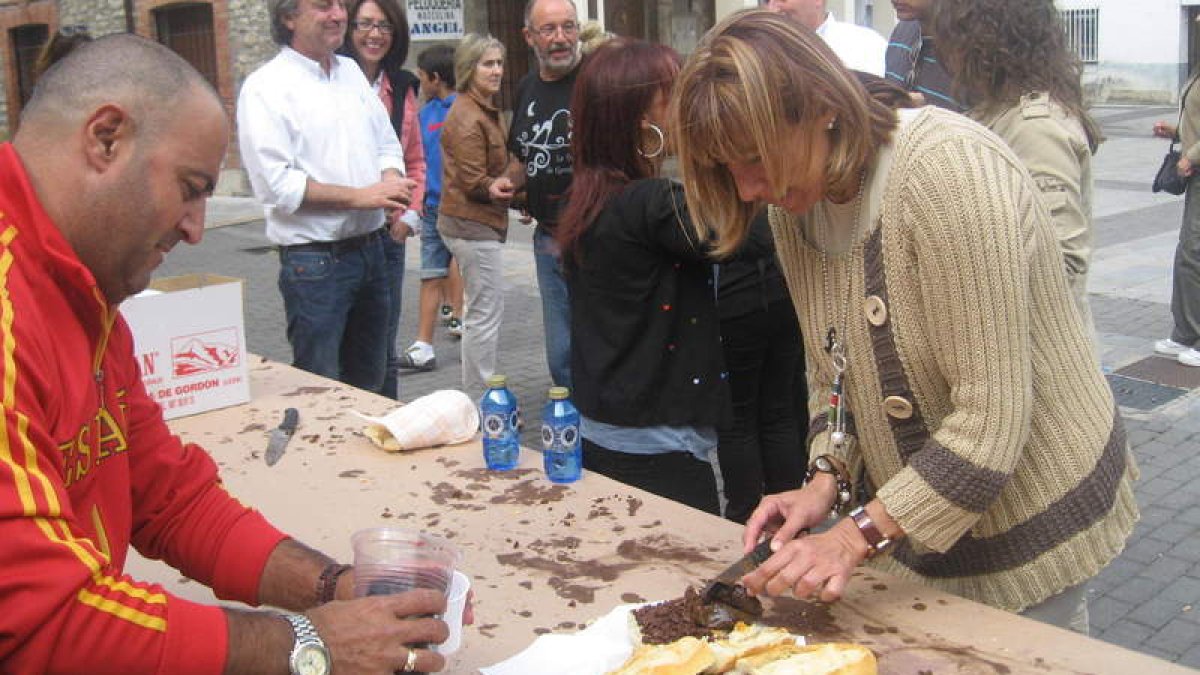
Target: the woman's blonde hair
pixel 752 80
pixel 468 55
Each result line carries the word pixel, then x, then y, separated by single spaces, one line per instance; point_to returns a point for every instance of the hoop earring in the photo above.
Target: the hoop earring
pixel 832 126
pixel 662 143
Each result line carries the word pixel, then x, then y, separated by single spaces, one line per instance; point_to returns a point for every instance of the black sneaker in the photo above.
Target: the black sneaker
pixel 410 360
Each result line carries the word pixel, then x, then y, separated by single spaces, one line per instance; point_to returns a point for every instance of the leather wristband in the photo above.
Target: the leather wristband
pixel 877 542
pixel 834 467
pixel 327 582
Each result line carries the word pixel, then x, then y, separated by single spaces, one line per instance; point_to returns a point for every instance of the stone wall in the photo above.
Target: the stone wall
pixel 102 17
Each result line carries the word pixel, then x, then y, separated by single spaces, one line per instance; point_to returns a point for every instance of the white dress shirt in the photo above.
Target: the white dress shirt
pixel 858 47
pixel 296 122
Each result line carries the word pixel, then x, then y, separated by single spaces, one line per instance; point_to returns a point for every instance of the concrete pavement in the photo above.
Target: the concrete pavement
pixel 1148 599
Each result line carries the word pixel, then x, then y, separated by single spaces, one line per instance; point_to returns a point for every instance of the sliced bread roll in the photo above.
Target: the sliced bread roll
pixel 685 656
pixel 830 658
pixel 747 640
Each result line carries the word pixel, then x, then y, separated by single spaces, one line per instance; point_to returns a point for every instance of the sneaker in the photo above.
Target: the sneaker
pixel 1169 347
pixel 415 358
pixel 454 327
pixel 446 312
pixel 1190 358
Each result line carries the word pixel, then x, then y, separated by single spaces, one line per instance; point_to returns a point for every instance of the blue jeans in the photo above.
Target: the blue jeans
pixel 435 257
pixel 335 301
pixel 394 252
pixel 556 306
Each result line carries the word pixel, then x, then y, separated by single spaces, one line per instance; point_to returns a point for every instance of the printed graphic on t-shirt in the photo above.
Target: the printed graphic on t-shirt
pixel 546 145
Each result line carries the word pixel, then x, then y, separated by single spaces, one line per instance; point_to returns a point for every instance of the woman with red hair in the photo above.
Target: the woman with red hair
pixel 645 347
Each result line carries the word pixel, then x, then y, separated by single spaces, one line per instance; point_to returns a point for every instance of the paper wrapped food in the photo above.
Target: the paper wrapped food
pixel 444 417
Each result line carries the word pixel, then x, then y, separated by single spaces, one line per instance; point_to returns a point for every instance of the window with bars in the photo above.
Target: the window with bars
pixel 1082 27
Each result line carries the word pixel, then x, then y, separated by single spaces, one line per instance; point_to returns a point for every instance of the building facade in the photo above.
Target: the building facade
pixel 227 39
pixel 1134 52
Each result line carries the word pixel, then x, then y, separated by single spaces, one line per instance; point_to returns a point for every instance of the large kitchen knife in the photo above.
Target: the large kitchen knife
pixel 720 588
pixel 281 435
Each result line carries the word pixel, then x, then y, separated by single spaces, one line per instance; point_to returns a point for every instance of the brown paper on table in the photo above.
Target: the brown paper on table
pixel 445 417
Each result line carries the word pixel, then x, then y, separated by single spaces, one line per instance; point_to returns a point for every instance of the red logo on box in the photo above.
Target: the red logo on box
pixel 205 352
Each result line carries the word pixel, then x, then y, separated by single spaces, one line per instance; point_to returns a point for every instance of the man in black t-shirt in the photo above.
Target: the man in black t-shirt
pixel 541 138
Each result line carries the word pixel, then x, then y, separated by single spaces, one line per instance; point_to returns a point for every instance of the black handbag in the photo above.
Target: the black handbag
pixel 1168 179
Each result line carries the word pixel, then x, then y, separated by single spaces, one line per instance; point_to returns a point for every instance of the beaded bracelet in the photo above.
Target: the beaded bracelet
pixel 834 467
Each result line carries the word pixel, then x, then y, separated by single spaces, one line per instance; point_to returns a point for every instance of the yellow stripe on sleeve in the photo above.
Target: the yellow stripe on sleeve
pixel 8 387
pixel 121 611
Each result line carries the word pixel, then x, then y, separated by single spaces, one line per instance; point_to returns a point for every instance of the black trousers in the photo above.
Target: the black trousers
pixel 678 476
pixel 763 452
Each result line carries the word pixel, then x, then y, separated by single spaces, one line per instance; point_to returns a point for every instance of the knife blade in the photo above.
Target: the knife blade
pixel 719 587
pixel 281 435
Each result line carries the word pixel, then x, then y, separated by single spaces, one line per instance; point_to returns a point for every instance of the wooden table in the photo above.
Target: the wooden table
pixel 551 558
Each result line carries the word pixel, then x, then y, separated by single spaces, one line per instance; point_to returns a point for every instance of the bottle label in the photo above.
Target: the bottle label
pixel 566 439
pixel 493 425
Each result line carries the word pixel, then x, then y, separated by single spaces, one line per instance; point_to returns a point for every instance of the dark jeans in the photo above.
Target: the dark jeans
pixel 337 300
pixel 763 452
pixel 556 306
pixel 394 252
pixel 678 476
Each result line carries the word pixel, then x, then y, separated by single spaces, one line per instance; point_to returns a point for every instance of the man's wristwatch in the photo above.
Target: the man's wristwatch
pixel 309 654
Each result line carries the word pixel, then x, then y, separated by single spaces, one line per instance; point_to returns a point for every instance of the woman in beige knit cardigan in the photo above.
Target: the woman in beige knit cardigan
pixel 955 396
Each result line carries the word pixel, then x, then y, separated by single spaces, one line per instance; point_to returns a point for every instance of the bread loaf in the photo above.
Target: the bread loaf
pixel 685 656
pixel 829 658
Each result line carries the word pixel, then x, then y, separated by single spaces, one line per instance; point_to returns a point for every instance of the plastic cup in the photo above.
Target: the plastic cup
pixel 456 602
pixel 390 560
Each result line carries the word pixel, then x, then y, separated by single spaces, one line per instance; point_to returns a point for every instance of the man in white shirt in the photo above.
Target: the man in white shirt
pixel 859 48
pixel 326 164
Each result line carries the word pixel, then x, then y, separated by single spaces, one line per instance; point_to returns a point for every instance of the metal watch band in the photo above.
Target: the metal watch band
pixel 309 654
pixel 876 541
pixel 304 630
pixel 327 582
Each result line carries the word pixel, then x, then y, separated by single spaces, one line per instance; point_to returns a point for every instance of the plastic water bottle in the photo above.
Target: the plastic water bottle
pixel 563 454
pixel 498 420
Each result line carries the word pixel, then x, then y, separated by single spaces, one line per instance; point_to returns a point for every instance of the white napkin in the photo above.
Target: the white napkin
pixel 595 650
pixel 444 417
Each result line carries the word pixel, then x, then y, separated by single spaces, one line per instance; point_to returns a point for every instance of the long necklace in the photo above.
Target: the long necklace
pixel 835 344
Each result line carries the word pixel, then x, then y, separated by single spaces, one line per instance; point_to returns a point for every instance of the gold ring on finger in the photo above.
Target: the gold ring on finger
pixel 410 664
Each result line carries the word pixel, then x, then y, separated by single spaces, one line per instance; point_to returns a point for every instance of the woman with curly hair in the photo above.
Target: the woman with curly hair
pixel 1010 62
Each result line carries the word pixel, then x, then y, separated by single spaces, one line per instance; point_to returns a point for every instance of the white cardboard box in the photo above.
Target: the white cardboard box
pixel 189 337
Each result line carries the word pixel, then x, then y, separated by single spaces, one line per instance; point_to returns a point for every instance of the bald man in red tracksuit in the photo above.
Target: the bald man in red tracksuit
pixel 87 468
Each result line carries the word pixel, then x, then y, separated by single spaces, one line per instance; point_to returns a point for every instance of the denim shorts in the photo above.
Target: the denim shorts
pixel 435 257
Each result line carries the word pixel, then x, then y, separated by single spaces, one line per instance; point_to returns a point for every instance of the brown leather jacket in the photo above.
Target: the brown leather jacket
pixel 475 154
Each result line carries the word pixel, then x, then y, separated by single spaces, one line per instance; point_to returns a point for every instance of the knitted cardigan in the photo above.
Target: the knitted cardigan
pixel 979 409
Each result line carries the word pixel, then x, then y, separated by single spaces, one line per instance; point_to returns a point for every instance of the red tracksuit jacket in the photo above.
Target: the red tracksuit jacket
pixel 88 467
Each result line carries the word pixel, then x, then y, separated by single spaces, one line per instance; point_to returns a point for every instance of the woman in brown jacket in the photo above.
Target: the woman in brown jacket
pixel 477 186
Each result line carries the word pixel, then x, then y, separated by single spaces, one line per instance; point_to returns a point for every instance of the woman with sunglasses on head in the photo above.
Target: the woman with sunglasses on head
pixel 1012 62
pixel 950 375
pixel 377 39
pixel 645 344
pixel 479 177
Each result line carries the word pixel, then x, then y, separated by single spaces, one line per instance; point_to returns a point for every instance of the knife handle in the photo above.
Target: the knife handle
pixel 291 418
pixel 761 552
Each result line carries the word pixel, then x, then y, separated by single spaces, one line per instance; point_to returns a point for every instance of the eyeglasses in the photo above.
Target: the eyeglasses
pixel 366 26
pixel 548 31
